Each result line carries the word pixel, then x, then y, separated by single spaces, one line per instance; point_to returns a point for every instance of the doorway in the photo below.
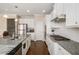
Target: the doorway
pixel 11 26
pixel 40 30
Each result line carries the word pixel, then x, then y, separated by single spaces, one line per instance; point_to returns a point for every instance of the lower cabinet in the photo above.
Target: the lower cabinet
pixel 55 49
pixel 19 51
pixel 26 45
pixel 50 45
pixel 28 42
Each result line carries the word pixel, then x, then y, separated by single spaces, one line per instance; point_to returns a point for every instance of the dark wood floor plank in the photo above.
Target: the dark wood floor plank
pixel 38 48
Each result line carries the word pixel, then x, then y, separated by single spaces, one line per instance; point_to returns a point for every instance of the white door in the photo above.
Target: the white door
pixel 39 30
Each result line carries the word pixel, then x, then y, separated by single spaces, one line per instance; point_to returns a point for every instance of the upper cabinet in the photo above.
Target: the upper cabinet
pixel 69 13
pixel 58 16
pixel 58 9
pixel 72 15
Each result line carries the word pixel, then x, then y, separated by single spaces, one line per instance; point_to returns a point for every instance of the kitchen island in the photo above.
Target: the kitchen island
pixel 8 46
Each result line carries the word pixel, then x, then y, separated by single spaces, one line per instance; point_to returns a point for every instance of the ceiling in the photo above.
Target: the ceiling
pixel 21 8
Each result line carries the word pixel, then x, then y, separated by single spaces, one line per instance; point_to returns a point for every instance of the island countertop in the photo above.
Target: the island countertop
pixel 7 45
pixel 71 46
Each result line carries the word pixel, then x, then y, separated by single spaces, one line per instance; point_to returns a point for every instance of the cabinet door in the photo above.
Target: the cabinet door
pixel 58 9
pixel 70 12
pixel 50 45
pixel 24 47
pixel 28 42
pixel 72 15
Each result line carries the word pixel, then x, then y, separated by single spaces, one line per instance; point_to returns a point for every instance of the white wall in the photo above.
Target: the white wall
pixel 3 25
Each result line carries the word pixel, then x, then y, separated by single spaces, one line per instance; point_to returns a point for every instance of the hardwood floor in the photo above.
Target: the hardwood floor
pixel 38 48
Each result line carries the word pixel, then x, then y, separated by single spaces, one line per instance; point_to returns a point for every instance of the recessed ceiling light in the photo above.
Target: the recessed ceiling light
pixel 44 11
pixel 28 10
pixel 5 16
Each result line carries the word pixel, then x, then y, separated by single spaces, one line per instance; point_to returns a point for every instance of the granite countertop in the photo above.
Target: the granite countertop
pixel 71 46
pixel 7 45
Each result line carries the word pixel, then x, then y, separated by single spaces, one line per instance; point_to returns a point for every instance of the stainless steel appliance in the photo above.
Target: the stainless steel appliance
pixel 22 30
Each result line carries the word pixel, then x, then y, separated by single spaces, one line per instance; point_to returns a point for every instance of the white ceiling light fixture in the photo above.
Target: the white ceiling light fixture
pixel 5 16
pixel 28 11
pixel 44 11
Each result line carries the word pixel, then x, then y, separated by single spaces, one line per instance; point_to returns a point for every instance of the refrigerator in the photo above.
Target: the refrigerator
pixel 22 30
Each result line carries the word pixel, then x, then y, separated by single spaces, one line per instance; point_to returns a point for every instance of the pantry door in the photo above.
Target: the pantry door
pixel 40 30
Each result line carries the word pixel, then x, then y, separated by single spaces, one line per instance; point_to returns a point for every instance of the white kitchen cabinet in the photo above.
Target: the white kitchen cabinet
pixel 26 45
pixel 50 45
pixel 58 16
pixel 55 49
pixel 58 10
pixel 72 14
pixel 28 42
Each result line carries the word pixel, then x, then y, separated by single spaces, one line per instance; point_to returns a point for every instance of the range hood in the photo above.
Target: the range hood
pixel 60 18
